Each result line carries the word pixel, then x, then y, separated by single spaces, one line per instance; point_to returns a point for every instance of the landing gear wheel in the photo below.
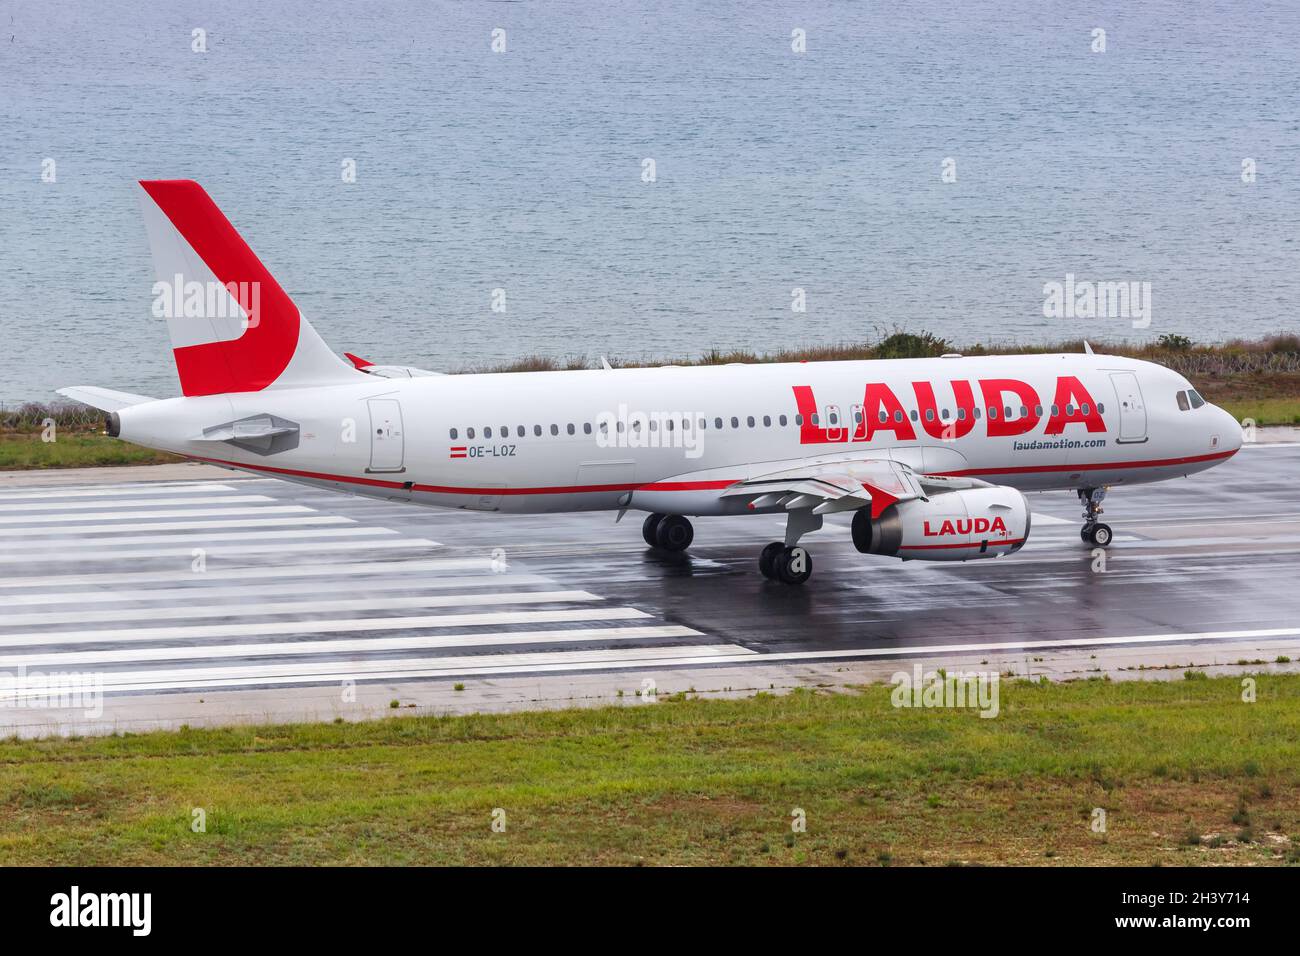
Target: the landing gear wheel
pixel 793 565
pixel 674 533
pixel 649 529
pixel 1099 534
pixel 1093 531
pixel 767 559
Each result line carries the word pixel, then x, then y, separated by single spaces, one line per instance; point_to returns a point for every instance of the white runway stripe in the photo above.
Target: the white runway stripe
pixel 330 626
pixel 169 513
pixel 198 592
pixel 180 612
pixel 134 503
pixel 53 663
pixel 112 491
pixel 233 553
pixel 274 572
pixel 125 540
pixel 333 672
pixel 91 529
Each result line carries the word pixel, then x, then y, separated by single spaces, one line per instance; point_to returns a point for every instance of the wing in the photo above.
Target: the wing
pixel 828 487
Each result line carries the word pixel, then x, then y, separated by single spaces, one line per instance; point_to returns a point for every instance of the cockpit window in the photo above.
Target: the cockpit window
pixel 1195 396
pixel 1183 404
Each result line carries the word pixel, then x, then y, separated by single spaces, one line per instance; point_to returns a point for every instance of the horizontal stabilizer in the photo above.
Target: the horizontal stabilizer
pixel 105 399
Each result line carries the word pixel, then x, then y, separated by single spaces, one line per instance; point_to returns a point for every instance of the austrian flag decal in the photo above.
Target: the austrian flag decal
pixel 458 451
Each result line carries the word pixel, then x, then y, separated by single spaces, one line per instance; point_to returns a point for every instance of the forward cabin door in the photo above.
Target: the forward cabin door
pixel 387 445
pixel 1132 410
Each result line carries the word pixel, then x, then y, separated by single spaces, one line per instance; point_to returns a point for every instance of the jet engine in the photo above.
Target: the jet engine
pixel 950 526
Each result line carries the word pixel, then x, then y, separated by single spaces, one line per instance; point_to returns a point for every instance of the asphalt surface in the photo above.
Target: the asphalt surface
pixel 303 591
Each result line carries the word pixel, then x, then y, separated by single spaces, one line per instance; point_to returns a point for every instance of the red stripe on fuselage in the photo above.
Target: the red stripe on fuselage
pixel 716 485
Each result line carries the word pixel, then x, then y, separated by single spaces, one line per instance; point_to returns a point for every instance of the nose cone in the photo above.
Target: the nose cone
pixel 1225 432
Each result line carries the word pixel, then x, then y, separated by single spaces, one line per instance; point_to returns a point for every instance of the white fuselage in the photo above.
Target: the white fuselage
pixel 534 442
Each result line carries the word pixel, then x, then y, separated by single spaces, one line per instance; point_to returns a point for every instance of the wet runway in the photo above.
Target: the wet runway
pixel 233 583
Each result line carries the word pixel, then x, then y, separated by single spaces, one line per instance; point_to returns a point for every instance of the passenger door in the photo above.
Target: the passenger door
pixel 387 444
pixel 1132 410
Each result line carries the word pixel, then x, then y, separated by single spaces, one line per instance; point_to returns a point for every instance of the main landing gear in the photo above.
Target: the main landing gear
pixel 785 561
pixel 667 532
pixel 1093 531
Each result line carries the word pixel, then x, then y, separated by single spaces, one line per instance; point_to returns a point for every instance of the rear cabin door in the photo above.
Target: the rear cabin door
pixel 387 445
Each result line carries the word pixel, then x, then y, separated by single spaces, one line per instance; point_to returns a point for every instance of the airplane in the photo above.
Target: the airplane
pixel 932 457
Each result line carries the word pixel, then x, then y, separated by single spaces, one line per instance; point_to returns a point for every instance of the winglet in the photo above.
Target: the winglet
pixel 357 361
pixel 1087 349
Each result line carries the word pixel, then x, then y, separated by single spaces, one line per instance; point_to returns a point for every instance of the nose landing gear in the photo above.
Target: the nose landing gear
pixel 1093 531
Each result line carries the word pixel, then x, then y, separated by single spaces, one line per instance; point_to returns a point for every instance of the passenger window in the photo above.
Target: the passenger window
pixel 586 428
pixel 944 414
pixel 798 420
pixel 767 421
pixel 1101 408
pixel 487 432
pixel 898 414
pixel 750 421
pixel 978 412
pixel 1038 410
pixel 571 429
pixel 555 429
pixel 519 430
pixel 1069 410
pixel 537 429
pixel 884 416
pixel 993 412
pixel 915 417
pixel 783 420
pixel 1086 408
pixel 929 414
pixel 961 414
pixel 1006 412
pixel 469 433
pixel 453 434
pixel 717 423
pixel 1056 411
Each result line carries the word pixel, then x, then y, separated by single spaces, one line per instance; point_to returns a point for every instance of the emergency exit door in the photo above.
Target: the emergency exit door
pixel 387 446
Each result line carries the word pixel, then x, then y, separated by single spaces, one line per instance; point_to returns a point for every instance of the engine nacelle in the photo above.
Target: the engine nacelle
pixel 952 526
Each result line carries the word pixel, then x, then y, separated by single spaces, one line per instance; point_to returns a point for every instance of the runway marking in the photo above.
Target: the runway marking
pixel 39 534
pixel 406 669
pixel 199 591
pixel 148 503
pixel 256 571
pixel 53 663
pixel 113 491
pixel 181 612
pixel 328 626
pixel 84 545
pixel 169 513
pixel 187 552
pixel 1040 519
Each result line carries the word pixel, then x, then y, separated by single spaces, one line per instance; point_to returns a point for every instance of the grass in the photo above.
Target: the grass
pixel 1177 766
pixel 26 450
